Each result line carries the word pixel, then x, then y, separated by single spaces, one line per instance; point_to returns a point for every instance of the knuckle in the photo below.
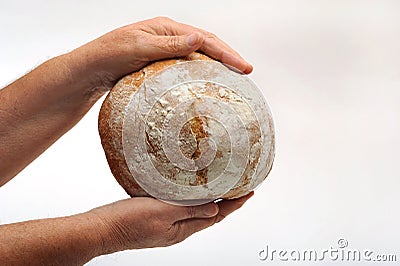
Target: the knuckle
pixel 211 35
pixel 163 19
pixel 191 211
pixel 174 44
pixel 221 55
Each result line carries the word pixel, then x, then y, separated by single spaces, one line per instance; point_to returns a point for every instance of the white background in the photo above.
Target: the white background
pixel 330 71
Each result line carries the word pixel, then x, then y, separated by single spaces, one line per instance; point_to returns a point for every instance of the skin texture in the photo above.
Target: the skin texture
pixel 41 106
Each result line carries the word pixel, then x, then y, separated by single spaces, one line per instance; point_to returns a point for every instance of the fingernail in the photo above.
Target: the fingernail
pixel 210 210
pixel 248 69
pixel 192 39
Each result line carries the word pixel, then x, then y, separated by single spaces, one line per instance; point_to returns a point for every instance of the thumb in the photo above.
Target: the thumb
pixel 189 212
pixel 174 46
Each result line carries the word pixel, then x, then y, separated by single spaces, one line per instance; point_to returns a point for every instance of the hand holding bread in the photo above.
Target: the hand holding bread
pixel 41 106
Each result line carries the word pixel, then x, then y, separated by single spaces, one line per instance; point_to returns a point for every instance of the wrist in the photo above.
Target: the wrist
pixel 85 80
pixel 93 234
pixel 107 239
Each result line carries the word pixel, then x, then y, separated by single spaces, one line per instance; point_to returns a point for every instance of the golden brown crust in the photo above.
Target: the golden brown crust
pixel 112 115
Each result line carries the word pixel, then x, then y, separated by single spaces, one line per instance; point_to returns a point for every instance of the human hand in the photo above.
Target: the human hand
pixel 147 222
pixel 130 48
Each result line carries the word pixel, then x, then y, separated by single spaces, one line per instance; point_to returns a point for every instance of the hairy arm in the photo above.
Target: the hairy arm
pixel 71 240
pixel 41 106
pixel 37 109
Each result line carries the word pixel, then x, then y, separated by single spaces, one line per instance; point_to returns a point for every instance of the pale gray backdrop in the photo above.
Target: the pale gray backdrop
pixel 330 71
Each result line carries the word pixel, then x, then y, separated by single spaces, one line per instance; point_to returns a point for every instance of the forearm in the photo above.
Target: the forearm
pixel 39 108
pixel 72 240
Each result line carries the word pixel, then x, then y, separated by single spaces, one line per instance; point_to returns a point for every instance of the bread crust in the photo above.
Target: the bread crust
pixel 112 115
pixel 259 127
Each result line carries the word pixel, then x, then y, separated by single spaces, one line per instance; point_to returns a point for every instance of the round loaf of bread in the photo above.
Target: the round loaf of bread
pixel 188 131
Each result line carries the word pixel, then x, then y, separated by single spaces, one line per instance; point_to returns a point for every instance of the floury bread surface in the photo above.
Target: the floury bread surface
pixel 206 146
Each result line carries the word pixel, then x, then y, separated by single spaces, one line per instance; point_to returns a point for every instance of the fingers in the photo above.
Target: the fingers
pixel 201 211
pixel 212 45
pixel 185 228
pixel 220 51
pixel 173 46
pixel 216 210
pixel 226 207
